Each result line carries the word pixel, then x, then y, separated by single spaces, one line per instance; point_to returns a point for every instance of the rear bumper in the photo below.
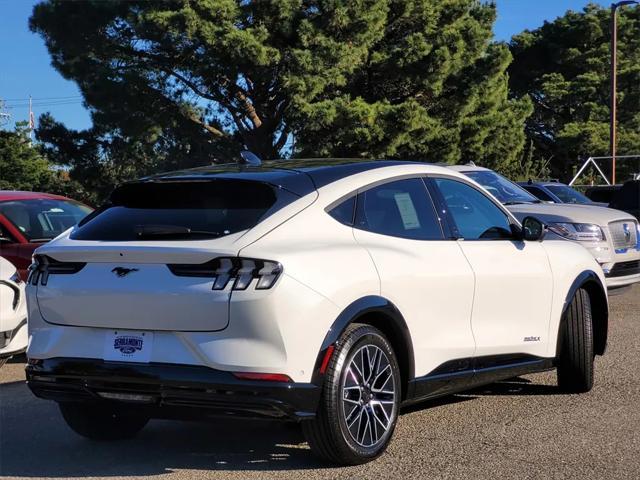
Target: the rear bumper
pixel 169 390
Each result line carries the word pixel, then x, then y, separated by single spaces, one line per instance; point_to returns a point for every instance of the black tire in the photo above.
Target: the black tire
pixel 343 399
pixel 575 360
pixel 103 422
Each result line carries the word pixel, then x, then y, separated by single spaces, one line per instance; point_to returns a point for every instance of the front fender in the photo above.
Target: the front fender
pixel 591 282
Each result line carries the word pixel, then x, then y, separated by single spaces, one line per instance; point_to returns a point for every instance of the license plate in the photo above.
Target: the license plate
pixel 128 346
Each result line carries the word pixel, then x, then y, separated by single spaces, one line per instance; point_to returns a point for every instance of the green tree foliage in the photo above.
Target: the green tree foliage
pixel 24 167
pixel 432 85
pixel 564 67
pixel 182 83
pixel 100 157
pixel 225 72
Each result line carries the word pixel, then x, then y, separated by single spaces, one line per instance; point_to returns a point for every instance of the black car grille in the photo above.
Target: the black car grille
pixel 624 269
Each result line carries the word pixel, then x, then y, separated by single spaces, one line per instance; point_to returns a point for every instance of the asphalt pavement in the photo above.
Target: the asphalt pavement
pixel 523 428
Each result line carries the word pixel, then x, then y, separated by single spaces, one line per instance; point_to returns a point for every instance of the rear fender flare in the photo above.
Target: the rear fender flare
pixel 381 313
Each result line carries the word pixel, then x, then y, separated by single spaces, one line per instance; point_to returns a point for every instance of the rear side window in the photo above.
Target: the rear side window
pixel 182 210
pixel 400 209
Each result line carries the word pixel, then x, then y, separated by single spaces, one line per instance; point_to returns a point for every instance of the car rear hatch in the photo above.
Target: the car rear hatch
pixel 116 269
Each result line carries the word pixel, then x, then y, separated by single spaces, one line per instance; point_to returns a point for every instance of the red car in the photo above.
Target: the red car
pixel 29 219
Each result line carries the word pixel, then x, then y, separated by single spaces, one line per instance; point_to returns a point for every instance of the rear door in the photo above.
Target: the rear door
pixel 514 284
pixel 424 274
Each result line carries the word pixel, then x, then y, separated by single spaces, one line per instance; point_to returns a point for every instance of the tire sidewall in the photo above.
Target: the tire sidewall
pixel 365 336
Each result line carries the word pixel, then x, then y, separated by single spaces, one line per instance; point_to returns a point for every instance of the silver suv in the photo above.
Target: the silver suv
pixel 612 236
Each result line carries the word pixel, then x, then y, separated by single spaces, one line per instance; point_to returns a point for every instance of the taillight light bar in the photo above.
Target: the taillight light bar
pixel 239 271
pixel 42 266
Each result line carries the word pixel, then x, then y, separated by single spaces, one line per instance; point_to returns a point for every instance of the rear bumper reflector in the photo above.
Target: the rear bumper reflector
pixel 267 377
pixel 327 357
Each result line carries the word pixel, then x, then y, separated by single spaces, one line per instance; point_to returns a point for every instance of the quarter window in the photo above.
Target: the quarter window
pixel 475 215
pixel 401 209
pixel 344 212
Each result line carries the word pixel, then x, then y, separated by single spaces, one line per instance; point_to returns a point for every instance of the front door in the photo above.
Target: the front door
pixel 425 275
pixel 513 279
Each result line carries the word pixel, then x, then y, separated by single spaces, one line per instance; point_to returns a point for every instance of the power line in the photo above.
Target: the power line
pixel 41 98
pixel 45 104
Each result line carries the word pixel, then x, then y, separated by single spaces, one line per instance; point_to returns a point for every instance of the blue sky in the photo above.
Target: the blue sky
pixel 25 66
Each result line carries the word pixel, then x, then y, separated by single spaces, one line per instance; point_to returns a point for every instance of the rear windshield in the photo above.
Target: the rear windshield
pixel 40 220
pixel 191 210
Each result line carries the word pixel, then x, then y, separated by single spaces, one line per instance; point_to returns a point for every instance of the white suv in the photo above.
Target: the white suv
pixel 13 312
pixel 326 294
pixel 612 236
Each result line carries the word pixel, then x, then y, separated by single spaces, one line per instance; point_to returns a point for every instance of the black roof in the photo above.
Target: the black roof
pixel 297 176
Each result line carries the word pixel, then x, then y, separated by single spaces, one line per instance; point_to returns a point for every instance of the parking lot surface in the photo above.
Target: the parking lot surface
pixel 523 428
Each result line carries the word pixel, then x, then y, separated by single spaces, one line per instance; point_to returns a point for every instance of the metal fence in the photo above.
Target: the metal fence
pixel 593 161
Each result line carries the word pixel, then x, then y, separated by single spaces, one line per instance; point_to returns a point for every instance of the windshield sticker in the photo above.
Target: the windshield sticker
pixel 407 211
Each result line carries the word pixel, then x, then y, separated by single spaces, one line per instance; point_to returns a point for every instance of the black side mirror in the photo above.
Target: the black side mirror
pixel 533 229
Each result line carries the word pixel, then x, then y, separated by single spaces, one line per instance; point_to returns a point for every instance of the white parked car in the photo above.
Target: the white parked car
pixel 612 236
pixel 326 294
pixel 13 312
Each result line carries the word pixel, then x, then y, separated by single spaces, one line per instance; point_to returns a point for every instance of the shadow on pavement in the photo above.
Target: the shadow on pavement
pixel 436 402
pixel 516 386
pixel 35 442
pixel 22 358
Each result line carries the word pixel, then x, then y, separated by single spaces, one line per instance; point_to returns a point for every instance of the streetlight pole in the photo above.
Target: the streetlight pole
pixel 614 82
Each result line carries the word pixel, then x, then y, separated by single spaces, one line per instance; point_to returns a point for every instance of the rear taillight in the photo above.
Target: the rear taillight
pixel 42 266
pixel 239 271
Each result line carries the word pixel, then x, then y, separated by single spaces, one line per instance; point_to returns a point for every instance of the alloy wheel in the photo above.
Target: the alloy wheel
pixel 368 395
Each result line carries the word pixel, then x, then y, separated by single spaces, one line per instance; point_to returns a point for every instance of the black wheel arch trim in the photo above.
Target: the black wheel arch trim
pixel 385 313
pixel 599 306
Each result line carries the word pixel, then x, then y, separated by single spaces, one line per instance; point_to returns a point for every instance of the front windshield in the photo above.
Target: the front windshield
pixel 504 190
pixel 568 194
pixel 40 220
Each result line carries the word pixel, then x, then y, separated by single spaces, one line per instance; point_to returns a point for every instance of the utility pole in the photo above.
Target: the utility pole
pixel 614 83
pixel 32 120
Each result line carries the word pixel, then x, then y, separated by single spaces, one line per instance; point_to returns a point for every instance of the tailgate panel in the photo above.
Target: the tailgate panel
pixel 147 297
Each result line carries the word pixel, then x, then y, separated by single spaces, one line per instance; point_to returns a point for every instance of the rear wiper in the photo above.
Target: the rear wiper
pixel 171 231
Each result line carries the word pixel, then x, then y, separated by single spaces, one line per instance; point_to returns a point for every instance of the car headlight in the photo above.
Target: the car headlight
pixel 581 232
